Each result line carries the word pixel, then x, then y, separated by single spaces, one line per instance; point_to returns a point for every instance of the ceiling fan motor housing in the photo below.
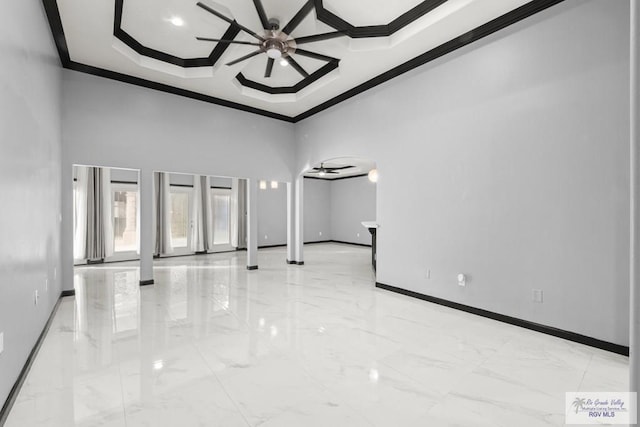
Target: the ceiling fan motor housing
pixel 275 47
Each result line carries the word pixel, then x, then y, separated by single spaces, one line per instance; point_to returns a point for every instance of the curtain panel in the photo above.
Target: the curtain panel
pixel 162 214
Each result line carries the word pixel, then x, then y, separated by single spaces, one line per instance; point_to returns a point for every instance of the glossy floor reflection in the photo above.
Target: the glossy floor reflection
pixel 212 344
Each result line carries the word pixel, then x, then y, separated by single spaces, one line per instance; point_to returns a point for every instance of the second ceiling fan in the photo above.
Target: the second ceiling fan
pixel 276 43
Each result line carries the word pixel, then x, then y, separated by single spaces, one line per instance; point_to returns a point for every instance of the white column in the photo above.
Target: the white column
pixel 146 226
pixel 252 224
pixel 634 327
pixel 299 222
pixel 291 229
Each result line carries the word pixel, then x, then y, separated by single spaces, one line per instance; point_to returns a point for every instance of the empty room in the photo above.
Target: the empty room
pixel 319 212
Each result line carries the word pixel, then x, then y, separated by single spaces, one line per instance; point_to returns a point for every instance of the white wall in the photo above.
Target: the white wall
pixel 124 175
pixel 353 200
pixel 180 179
pixel 317 210
pixel 108 123
pixel 30 83
pixel 508 161
pixel 272 215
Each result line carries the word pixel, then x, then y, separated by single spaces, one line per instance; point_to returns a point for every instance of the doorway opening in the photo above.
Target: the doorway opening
pixel 340 196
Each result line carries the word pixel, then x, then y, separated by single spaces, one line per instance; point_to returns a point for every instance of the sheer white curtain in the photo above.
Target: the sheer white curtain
pixel 162 208
pixel 201 216
pixel 93 239
pixel 80 213
pixel 239 213
pixel 234 212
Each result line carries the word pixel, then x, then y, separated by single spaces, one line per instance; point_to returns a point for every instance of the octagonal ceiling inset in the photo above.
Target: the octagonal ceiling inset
pixel 378 41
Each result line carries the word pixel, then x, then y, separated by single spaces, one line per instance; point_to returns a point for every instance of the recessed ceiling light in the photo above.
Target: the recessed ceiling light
pixel 177 21
pixel 284 62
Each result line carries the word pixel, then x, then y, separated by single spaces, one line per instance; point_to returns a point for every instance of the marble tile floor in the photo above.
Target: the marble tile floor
pixel 212 344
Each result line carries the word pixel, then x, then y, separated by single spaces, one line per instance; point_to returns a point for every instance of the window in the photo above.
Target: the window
pixel 180 217
pixel 125 217
pixel 221 209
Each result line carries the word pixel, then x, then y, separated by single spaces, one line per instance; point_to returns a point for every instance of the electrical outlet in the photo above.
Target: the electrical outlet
pixel 266 237
pixel 46 285
pixel 36 296
pixel 462 280
pixel 320 233
pixel 537 295
pixel 55 273
pixel 358 234
pixel 1 342
pixel 428 273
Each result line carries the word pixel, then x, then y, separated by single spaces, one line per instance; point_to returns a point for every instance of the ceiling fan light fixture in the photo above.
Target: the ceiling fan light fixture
pixel 373 175
pixel 274 53
pixel 321 173
pixel 284 62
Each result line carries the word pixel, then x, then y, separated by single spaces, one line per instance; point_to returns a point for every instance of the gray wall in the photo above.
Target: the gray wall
pixel 317 210
pixel 272 215
pixel 352 201
pixel 508 161
pixel 30 78
pixel 113 124
pixel 337 208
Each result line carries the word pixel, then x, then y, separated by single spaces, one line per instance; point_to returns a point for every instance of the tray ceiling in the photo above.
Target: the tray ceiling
pixel 153 43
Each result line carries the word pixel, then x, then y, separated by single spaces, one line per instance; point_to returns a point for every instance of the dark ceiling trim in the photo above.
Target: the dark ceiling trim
pixel 384 30
pixel 88 69
pixel 510 18
pixel 53 15
pixel 55 22
pixel 476 34
pixel 126 38
pixel 326 69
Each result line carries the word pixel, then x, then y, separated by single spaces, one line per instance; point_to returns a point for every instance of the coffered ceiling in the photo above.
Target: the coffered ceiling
pixel 359 44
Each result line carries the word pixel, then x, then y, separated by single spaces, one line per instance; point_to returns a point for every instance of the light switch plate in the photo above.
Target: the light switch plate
pixel 1 342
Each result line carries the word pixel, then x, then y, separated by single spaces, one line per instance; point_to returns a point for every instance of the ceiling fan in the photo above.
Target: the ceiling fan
pixel 324 170
pixel 276 43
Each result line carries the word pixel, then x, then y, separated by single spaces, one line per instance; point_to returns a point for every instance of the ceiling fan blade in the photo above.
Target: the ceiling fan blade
pixel 319 37
pixel 314 55
pixel 335 173
pixel 262 14
pixel 267 72
pixel 206 39
pixel 339 168
pixel 244 58
pixel 297 19
pixel 297 66
pixel 230 21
